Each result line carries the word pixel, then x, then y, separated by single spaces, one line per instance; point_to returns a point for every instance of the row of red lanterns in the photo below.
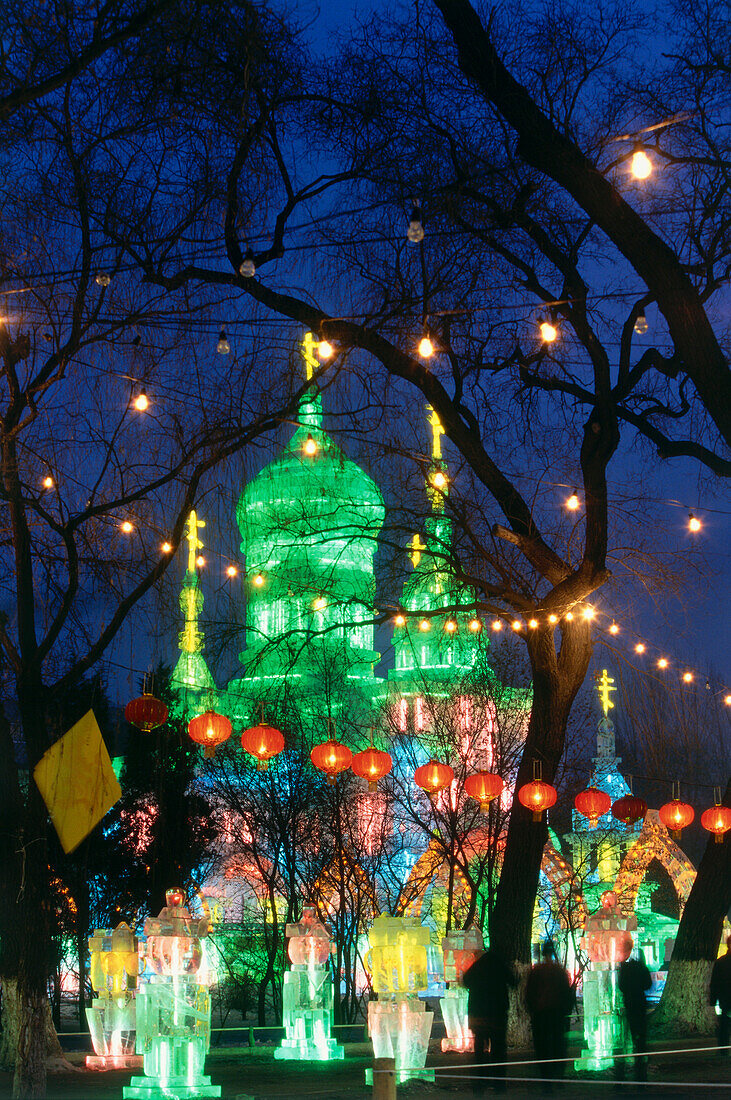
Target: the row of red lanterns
pixel 332 757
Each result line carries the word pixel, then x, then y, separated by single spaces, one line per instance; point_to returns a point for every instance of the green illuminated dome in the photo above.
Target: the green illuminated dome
pixel 309 523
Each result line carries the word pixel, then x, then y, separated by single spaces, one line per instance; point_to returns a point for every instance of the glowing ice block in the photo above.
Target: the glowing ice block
pixel 608 941
pixel 173 1007
pixel 461 949
pixel 113 966
pixel 308 995
pixel 398 1023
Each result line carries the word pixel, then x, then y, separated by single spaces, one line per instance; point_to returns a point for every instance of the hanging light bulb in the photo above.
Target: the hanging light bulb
pixel 223 347
pixel 533 623
pixel 589 612
pixel 640 648
pixel 310 445
pixel 553 619
pixel 694 524
pixel 258 580
pixel 325 350
pixel 727 700
pixel 48 482
pixel 439 480
pixel 200 561
pixel 708 685
pixel 662 662
pixel 426 348
pixel 126 527
pixel 516 624
pixel 475 625
pixel 641 325
pixel 102 279
pixel 496 625
pixel 569 616
pixel 614 629
pixel 415 232
pixel 232 571
pixel 399 620
pixel 320 603
pixel 641 164
pixel 687 677
pixel 450 626
pixel 573 503
pixel 141 402
pixel 424 625
pixel 248 267
pixel 549 332
pixel 166 548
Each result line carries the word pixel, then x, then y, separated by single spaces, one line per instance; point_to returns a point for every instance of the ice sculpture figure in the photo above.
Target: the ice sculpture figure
pixel 398 1023
pixel 608 941
pixel 173 1007
pixel 111 1015
pixel 308 994
pixel 461 949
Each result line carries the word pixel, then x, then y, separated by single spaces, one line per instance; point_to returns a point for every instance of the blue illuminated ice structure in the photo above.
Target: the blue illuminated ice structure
pixel 398 1023
pixel 173 1007
pixel 608 941
pixel 461 949
pixel 308 995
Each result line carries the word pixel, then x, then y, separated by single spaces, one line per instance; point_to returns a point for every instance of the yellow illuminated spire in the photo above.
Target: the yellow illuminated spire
pixel 437 433
pixel 195 544
pixel 308 354
pixel 604 687
pixel 416 547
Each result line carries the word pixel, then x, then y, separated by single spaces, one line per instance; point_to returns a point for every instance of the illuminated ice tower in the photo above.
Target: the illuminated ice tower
pixel 191 677
pixel 309 523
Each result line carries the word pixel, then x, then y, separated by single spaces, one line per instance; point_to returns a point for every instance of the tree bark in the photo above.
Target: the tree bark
pixel 684 1005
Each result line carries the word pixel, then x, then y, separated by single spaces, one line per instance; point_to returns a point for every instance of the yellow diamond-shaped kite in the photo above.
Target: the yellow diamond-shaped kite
pixel 77 782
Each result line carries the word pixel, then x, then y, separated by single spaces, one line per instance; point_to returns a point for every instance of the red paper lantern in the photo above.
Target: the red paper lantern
pixel 629 809
pixel 676 815
pixel 262 742
pixel 331 757
pixel 717 820
pixel 433 777
pixel 537 796
pixel 210 730
pixel 593 803
pixel 146 713
pixel 484 787
pixel 372 764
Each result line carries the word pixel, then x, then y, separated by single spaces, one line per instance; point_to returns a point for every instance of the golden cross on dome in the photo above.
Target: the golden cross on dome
pixel 308 346
pixel 416 547
pixel 604 687
pixel 437 433
pixel 194 543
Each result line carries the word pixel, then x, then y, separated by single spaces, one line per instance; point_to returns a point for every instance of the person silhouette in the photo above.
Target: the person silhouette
pixel 488 982
pixel 634 979
pixel 549 999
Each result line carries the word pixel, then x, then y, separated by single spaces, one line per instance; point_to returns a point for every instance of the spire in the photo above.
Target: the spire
pixel 311 406
pixel 606 759
pixel 191 672
pixel 437 485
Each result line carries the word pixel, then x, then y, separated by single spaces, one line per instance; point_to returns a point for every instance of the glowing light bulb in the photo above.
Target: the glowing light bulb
pixel 641 164
pixel 248 267
pixel 569 616
pixel 399 620
pixel 320 603
pixel 614 629
pixel 687 677
pixel 200 561
pixel 573 502
pixel 426 348
pixel 640 648
pixel 641 325
pixel 424 625
pixel 475 625
pixel 549 332
pixel 325 350
pixel 450 626
pixel 533 623
pixel 415 232
pixel 232 571
pixel 727 700
pixel 497 625
pixel 516 624
pixel 553 618
pixel 589 612
pixel 258 580
pixel 126 527
pixel 662 662
pixel 166 548
pixel 694 524
pixel 141 402
pixel 48 482
pixel 102 279
pixel 310 446
pixel 439 480
pixel 223 347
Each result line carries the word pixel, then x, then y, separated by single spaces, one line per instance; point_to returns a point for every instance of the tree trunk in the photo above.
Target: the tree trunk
pixel 684 1006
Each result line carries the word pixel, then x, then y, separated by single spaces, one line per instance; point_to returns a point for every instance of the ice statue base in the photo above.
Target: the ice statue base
pixel 604 1029
pixel 459 1039
pixel 113 1061
pixel 170 1088
pixel 400 1030
pixel 302 1050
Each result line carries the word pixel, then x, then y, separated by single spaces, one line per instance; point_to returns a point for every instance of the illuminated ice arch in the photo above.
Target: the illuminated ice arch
pixel 653 842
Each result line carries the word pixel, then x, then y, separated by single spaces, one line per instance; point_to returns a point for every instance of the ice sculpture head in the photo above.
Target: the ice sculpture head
pixel 398 954
pixel 113 959
pixel 175 938
pixel 309 940
pixel 461 949
pixel 607 938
